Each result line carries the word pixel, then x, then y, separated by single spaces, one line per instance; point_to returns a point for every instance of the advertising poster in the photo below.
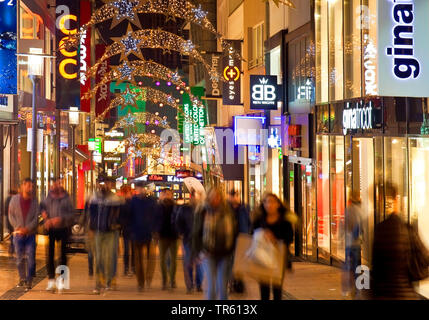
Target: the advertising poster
pixel 8 38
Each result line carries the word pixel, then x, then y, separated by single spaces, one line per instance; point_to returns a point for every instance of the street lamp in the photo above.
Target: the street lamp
pixel 74 121
pixel 35 71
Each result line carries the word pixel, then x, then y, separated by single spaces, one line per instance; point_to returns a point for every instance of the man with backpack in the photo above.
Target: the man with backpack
pixel 215 234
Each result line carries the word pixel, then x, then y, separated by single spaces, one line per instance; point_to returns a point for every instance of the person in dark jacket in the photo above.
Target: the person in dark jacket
pixel 273 220
pixel 244 226
pixel 57 213
pixel 9 226
pixel 124 218
pixel 390 274
pixel 214 236
pixel 104 208
pixel 184 225
pixel 23 215
pixel 168 237
pixel 143 210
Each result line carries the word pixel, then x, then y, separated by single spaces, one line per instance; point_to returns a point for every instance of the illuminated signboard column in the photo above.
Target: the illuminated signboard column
pixel 231 71
pixel 264 92
pixel 8 37
pixel 67 61
pixel 192 130
pixel 402 48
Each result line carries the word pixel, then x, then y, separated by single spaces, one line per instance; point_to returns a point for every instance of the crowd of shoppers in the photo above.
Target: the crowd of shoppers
pixel 208 227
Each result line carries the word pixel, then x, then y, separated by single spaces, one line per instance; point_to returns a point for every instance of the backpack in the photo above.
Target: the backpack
pixel 219 232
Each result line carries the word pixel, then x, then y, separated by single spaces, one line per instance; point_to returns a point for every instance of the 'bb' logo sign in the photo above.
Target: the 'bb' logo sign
pixel 264 92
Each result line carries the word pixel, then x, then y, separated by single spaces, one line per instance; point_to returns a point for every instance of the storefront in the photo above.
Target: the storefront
pixel 361 145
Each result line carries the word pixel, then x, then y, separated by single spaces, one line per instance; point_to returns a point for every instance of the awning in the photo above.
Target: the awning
pixel 80 156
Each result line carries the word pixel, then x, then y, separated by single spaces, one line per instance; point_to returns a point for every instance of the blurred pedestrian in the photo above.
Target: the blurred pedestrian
pixel 215 233
pixel 89 237
pixel 391 273
pixel 57 213
pixel 273 219
pixel 104 209
pixel 353 239
pixel 23 216
pixel 143 210
pixel 242 216
pixel 9 226
pixel 127 195
pixel 168 238
pixel 184 225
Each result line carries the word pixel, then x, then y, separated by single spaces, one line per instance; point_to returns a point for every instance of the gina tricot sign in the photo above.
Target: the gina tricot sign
pixel 402 46
pixel 358 116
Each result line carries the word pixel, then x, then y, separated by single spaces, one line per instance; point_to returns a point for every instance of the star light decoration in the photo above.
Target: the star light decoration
pixel 145 94
pixel 146 118
pixel 154 39
pixel 128 70
pixel 129 10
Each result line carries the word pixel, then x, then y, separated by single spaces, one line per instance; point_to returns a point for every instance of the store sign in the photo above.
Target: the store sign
pixel 102 97
pixel 231 71
pixel 85 54
pixel 67 60
pixel 184 173
pixel 112 159
pixel 274 139
pixel 192 130
pixel 403 49
pixel 114 146
pixel 248 130
pixel 8 45
pixel 305 92
pixel 264 92
pixel 358 116
pixel 114 134
pixel 213 87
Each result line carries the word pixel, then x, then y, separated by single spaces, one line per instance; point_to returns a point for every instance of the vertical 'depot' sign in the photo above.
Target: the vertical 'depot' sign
pixel 67 62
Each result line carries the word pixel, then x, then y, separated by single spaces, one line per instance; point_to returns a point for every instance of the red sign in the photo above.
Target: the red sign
pixel 85 55
pixel 155 177
pixel 184 173
pixel 102 99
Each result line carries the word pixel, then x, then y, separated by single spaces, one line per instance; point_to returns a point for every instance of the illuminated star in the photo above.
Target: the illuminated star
pixel 139 154
pixel 129 98
pixel 164 122
pixel 123 72
pixel 170 14
pixel 129 44
pixel 175 76
pixel 199 13
pixel 126 10
pixel 188 46
pixel 133 140
pixel 129 120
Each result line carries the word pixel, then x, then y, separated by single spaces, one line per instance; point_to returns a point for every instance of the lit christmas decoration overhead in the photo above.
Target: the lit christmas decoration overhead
pixel 125 10
pixel 199 13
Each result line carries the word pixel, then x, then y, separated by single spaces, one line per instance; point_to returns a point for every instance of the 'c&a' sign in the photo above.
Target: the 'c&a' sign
pixel 68 62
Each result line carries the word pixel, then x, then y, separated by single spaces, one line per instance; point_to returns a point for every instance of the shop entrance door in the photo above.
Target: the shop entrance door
pixel 363 183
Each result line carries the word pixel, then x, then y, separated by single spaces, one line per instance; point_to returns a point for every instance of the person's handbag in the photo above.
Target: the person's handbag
pixel 262 251
pixel 418 260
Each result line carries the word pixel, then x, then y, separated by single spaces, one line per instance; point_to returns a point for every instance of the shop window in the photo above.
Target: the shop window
pixel 335 43
pixel 321 36
pixel 256 46
pixel 337 196
pixel 395 166
pixel 323 221
pixel 352 48
pixel 31 25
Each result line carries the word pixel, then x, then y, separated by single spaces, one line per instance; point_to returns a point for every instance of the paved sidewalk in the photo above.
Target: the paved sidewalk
pixel 307 281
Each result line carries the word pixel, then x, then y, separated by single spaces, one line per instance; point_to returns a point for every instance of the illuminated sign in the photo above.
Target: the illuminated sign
pixel 68 62
pixel 231 72
pixel 114 147
pixel 248 130
pixel 114 134
pixel 264 92
pixel 184 173
pixel 192 130
pixel 102 98
pixel 274 139
pixel 305 92
pixel 8 45
pixel 112 159
pixel 85 54
pixel 402 47
pixel 213 88
pixel 361 116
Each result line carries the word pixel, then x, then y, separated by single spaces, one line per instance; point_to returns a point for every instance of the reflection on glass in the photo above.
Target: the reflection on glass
pixel 337 197
pixel 335 77
pixel 395 167
pixel 323 227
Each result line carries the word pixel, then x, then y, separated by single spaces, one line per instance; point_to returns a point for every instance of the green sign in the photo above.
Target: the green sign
pixel 192 130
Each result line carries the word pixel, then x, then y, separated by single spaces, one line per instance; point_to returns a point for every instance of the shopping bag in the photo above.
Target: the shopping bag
pixel 262 251
pixel 246 265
